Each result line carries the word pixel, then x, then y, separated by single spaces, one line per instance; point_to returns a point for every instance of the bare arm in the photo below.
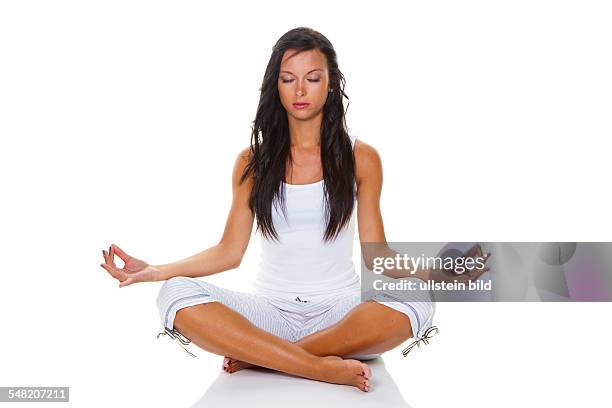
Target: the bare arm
pixel 228 253
pixel 371 229
pixel 369 218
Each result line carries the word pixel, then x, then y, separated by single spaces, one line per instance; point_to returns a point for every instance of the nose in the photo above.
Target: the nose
pixel 300 89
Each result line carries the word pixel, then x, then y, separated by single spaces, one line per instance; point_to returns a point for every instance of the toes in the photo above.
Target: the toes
pixel 367 372
pixel 366 385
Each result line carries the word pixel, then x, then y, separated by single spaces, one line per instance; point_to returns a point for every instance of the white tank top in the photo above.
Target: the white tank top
pixel 301 262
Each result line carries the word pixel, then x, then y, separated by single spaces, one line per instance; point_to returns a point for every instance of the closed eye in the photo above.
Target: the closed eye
pixel 286 81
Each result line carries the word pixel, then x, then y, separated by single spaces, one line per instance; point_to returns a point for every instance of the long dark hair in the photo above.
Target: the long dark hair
pixel 270 141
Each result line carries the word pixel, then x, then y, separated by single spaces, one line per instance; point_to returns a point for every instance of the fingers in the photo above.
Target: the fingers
pixel 116 250
pixel 119 275
pixel 477 273
pixel 111 252
pixel 114 272
pixel 474 251
pixel 108 258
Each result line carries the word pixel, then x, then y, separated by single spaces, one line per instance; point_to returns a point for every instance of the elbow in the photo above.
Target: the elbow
pixel 236 262
pixel 372 252
pixel 232 254
pixel 236 258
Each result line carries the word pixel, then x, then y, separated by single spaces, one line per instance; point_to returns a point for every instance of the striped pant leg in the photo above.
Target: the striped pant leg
pixel 419 312
pixel 337 307
pixel 417 306
pixel 180 292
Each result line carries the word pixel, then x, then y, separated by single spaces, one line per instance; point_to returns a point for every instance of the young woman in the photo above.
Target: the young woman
pixel 301 178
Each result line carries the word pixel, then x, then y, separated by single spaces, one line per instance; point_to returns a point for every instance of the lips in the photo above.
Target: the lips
pixel 300 105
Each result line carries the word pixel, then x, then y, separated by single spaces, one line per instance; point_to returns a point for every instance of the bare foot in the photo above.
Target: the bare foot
pixel 231 365
pixel 348 372
pixel 337 370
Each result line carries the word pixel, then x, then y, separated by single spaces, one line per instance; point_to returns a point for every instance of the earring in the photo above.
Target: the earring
pixel 330 90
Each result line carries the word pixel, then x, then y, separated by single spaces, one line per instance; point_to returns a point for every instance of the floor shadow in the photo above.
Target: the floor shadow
pixel 261 387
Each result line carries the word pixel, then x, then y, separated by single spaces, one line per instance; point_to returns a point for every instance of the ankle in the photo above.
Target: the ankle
pixel 320 366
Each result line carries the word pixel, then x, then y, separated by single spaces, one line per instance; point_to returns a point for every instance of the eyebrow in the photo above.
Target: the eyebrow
pixel 289 72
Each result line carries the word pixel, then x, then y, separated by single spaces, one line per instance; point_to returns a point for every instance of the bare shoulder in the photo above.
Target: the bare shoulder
pixel 245 154
pixel 368 163
pixel 240 163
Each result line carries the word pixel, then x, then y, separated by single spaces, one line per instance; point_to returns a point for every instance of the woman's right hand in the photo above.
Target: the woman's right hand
pixel 133 271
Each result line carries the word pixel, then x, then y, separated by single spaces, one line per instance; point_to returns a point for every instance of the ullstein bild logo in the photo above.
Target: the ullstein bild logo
pixel 487 271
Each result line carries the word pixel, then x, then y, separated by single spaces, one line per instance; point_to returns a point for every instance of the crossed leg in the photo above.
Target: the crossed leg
pixel 368 328
pixel 221 330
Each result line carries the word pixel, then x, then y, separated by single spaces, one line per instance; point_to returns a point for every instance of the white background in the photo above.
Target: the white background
pixel 120 122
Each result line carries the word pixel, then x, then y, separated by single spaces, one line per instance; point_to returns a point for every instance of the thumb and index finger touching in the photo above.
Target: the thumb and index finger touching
pixel 473 252
pixel 109 262
pixel 114 249
pixel 476 251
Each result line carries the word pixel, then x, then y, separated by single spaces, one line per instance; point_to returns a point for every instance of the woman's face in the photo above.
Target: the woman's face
pixel 303 78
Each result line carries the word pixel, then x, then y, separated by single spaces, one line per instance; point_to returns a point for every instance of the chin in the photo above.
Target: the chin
pixel 303 117
pixel 305 114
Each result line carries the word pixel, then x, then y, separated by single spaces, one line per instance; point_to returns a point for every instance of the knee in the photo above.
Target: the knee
pixel 180 287
pixel 399 325
pixel 171 285
pixel 177 281
pixel 404 330
pixel 177 293
pixel 390 322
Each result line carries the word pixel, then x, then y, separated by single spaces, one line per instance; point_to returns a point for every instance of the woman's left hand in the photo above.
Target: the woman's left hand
pixel 465 275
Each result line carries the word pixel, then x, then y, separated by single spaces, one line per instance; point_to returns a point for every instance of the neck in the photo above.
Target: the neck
pixel 305 134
